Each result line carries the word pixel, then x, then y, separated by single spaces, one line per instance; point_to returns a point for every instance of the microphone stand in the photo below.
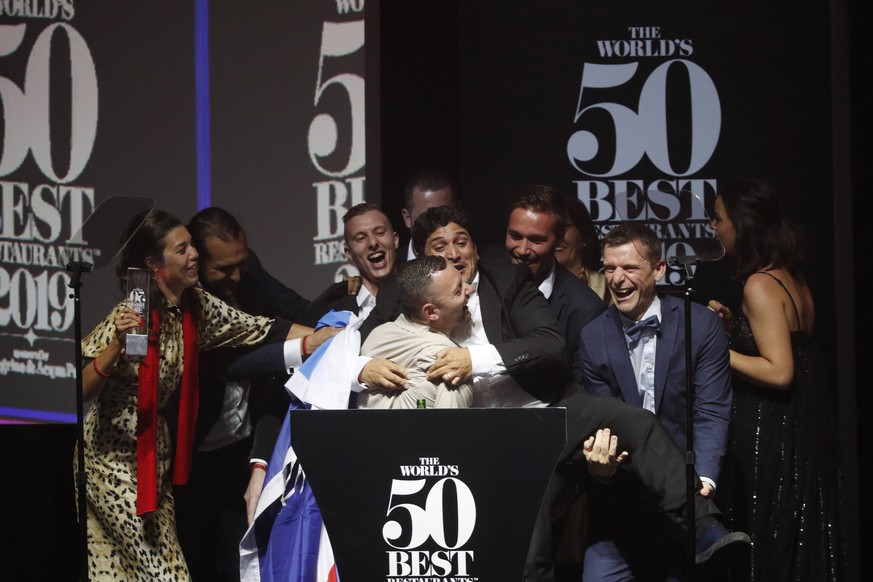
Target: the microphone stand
pixel 690 482
pixel 77 269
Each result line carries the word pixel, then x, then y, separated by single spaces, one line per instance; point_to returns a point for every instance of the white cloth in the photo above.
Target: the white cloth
pixel 642 356
pixel 233 423
pixel 492 386
pixel 331 381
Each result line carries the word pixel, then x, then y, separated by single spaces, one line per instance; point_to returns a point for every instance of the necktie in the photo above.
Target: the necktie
pixel 635 331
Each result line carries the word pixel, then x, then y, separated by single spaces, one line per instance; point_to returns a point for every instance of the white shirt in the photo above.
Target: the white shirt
pixel 492 387
pixel 548 284
pixel 642 356
pixel 366 302
pixel 643 360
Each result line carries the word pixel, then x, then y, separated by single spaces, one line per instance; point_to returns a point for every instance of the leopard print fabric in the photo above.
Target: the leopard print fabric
pixel 121 545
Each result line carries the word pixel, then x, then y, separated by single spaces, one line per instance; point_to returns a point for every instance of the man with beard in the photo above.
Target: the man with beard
pixel 242 400
pixel 537 220
pixel 536 225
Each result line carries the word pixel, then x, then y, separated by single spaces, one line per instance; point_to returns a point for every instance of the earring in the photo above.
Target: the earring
pixel 154 275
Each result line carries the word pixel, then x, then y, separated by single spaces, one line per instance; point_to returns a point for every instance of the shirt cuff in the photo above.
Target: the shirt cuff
pixel 486 360
pixel 710 481
pixel 293 355
pixel 360 362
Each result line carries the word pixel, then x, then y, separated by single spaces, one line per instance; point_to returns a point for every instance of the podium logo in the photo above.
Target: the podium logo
pixel 428 526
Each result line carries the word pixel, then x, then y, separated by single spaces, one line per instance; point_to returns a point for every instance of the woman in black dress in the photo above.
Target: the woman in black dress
pixel 782 479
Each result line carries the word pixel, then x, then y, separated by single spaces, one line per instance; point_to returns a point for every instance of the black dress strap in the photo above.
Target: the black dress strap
pixel 781 284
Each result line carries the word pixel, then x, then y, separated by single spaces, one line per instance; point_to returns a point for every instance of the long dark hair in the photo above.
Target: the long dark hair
pixel 763 236
pixel 144 237
pixel 581 219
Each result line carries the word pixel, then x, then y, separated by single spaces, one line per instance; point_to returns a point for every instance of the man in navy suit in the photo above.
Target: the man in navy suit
pixel 515 356
pixel 635 351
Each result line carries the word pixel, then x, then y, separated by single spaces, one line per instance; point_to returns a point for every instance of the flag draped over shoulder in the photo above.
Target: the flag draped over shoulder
pixel 287 541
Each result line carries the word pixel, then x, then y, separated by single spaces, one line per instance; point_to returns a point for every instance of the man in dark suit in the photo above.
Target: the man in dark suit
pixel 537 221
pixel 241 405
pixel 424 189
pixel 647 369
pixel 371 245
pixel 536 225
pixel 515 356
pixel 520 338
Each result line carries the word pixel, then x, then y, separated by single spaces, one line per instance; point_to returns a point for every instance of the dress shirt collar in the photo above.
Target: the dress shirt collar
pixel 366 302
pixel 475 283
pixel 548 284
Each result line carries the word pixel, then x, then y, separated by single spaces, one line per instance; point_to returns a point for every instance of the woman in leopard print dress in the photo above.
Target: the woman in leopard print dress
pixel 123 545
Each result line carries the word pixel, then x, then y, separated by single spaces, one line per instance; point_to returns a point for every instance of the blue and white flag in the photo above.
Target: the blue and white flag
pixel 287 541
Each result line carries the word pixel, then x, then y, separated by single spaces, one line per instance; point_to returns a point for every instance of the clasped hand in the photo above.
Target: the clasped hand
pixel 600 452
pixel 318 337
pixel 383 374
pixel 453 366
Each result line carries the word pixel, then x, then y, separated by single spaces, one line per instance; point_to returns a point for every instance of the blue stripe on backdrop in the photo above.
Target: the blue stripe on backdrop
pixel 201 80
pixel 7 413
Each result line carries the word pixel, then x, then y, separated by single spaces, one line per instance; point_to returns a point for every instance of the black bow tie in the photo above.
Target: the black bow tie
pixel 635 331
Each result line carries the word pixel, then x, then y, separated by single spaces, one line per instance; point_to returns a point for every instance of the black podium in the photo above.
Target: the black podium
pixel 430 495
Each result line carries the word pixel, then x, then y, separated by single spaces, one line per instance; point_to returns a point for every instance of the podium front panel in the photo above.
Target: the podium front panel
pixel 432 495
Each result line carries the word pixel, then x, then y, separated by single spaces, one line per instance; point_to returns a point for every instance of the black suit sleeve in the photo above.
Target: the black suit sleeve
pixel 323 303
pixel 530 344
pixel 263 294
pixel 387 307
pixel 586 306
pixel 269 402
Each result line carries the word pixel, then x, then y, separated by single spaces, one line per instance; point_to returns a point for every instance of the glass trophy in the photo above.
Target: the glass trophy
pixel 138 300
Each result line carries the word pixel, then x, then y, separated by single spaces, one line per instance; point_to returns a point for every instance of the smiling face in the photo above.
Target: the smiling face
pixel 453 243
pixel 631 279
pixel 178 268
pixel 371 244
pixel 531 239
pixel 447 308
pixel 223 265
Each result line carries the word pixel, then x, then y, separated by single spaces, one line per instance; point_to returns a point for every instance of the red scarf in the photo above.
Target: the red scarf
pixel 147 411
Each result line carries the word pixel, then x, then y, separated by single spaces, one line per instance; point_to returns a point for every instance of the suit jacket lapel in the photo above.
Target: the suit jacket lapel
pixel 556 300
pixel 490 304
pixel 671 326
pixel 619 358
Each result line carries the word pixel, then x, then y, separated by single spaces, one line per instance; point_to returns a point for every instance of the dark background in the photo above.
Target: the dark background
pixel 421 85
